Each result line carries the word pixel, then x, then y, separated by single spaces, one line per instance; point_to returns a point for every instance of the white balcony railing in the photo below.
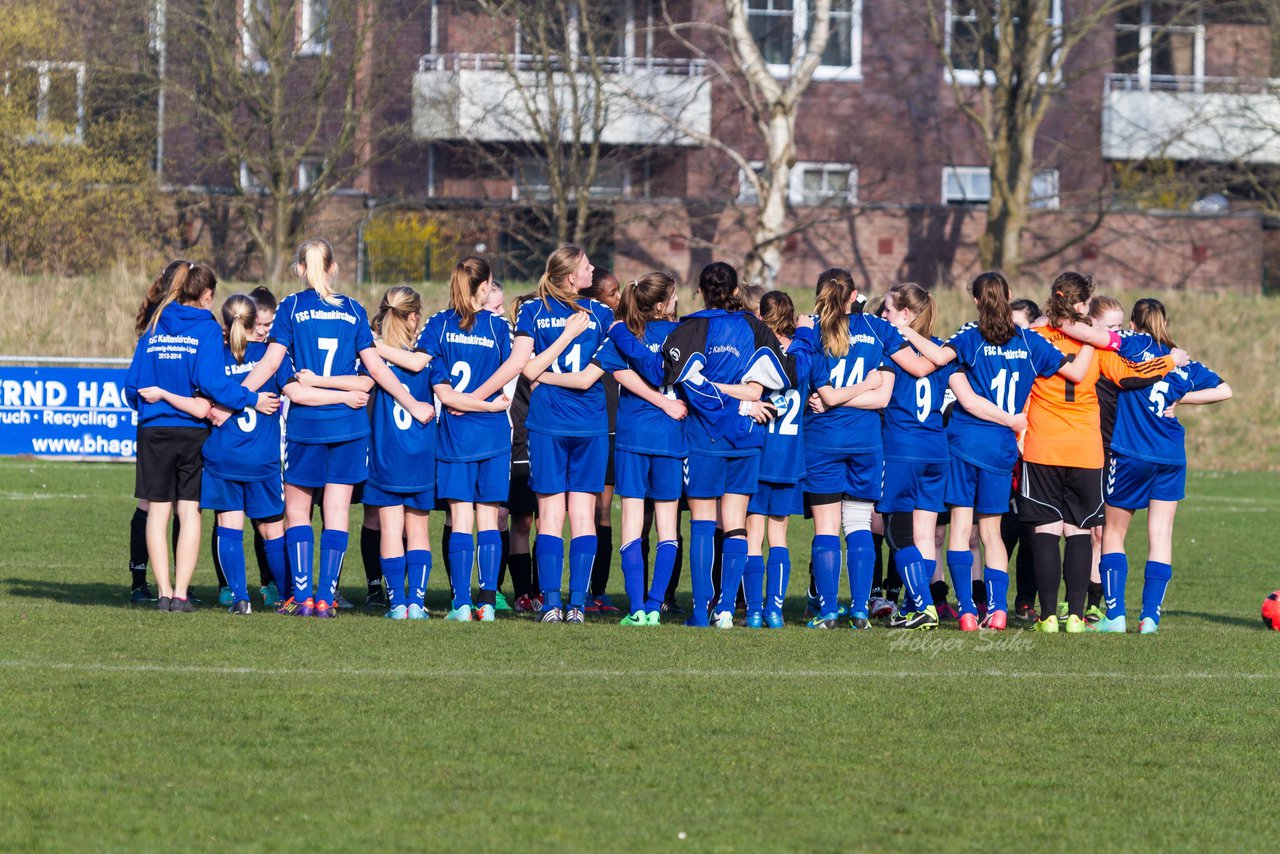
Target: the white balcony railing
pixel 536 62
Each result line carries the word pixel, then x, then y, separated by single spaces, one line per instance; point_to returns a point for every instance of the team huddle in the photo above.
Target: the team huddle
pixel 1042 431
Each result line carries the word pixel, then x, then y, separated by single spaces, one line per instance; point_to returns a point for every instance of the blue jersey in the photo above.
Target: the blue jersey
pixel 566 411
pixel 782 460
pixel 325 339
pixel 402 451
pixel 182 355
pixel 843 429
pixel 247 445
pixel 465 359
pixel 1003 374
pixel 913 427
pixel 642 427
pixel 1142 431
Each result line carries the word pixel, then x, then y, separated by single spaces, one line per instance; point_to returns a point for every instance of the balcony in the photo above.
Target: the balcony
pixel 1212 119
pixel 489 98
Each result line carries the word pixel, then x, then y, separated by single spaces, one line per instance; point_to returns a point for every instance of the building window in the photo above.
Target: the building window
pixel 313 24
pixel 255 24
pixel 608 34
pixel 971 185
pixel 973 34
pixel 781 27
pixel 48 98
pixel 1160 44
pixel 810 184
pixel 249 183
pixel 310 169
pixel 614 179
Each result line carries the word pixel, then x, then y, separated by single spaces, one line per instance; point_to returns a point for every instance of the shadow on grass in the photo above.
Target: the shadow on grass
pixel 80 593
pixel 1221 619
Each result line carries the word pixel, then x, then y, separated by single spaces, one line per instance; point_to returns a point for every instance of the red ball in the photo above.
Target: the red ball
pixel 1271 611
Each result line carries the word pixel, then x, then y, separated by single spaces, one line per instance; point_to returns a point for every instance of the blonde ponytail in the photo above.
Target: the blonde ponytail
pixel 833 319
pixel 392 319
pixel 239 315
pixel 554 284
pixel 313 261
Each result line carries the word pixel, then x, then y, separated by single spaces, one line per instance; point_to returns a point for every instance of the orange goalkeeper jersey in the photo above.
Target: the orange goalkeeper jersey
pixel 1063 421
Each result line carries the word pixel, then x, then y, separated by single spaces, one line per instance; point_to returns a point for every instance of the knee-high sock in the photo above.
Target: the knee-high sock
pixel 277 563
pixel 878 579
pixel 825 557
pixel 862 564
pixel 1114 569
pixel 1154 584
pixel 448 562
pixel 505 539
pixel 333 548
pixel 371 554
pixel 632 558
pixel 229 544
pixel 265 576
pixel 462 556
pixel 753 584
pixel 717 565
pixel 393 570
pixel 910 568
pixel 702 535
pixel 734 563
pixel 923 572
pixel 582 557
pixel 418 566
pixel 664 562
pixel 997 582
pixel 604 560
pixel 1048 572
pixel 960 566
pixel 777 577
pixel 138 547
pixel 488 562
pixel 521 573
pixel 300 541
pixel 217 562
pixel 1026 565
pixel 677 570
pixel 1077 560
pixel 550 556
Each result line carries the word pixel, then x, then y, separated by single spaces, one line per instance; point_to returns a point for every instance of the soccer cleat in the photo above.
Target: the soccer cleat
pixel 1063 611
pixel 653 618
pixel 1049 625
pixel 1093 614
pixel 602 605
pixel 722 620
pixel 1026 613
pixel 226 597
pixel 460 614
pixel 639 618
pixel 340 602
pixel 141 595
pixel 288 607
pixel 181 606
pixel 324 610
pixel 1148 626
pixel 996 621
pixel 575 616
pixel 500 602
pixel 813 607
pixel 755 620
pixel 671 606
pixel 552 615
pixel 399 612
pixel 859 621
pixel 1075 625
pixel 241 607
pixel 163 603
pixel 968 622
pixel 773 619
pixel 523 604
pixel 485 614
pixel 916 620
pixel 376 597
pixel 823 621
pixel 1109 626
pixel 417 612
pixel 946 611
pixel 881 608
pixel 270 595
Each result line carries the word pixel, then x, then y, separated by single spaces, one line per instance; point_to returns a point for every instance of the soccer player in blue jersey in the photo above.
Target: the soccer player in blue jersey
pixel 1148 467
pixel 649 458
pixel 180 353
pixel 557 338
pixel 471 363
pixel 326 334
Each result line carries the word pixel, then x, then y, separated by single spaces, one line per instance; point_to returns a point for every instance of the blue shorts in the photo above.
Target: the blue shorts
pixel 567 463
pixel 911 485
pixel 987 492
pixel 713 477
pixel 486 481
pixel 335 462
pixel 857 475
pixel 375 497
pixel 777 499
pixel 259 499
pixel 648 476
pixel 1132 484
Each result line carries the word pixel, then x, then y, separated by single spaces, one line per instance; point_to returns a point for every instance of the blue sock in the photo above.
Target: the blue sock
pixel 489 557
pixel 733 564
pixel 550 556
pixel 462 555
pixel 826 571
pixel 960 565
pixel 923 575
pixel 753 584
pixel 702 545
pixel 393 570
pixel 1154 584
pixel 230 545
pixel 1114 569
pixel 278 563
pixel 632 559
pixel 664 562
pixel 862 567
pixel 777 577
pixel 997 589
pixel 909 564
pixel 418 566
pixel 333 548
pixel 582 557
pixel 300 541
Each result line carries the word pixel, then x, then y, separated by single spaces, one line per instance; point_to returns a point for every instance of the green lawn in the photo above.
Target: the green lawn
pixel 131 729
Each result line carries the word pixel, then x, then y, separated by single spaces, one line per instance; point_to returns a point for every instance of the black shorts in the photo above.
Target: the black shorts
pixel 169 463
pixel 1060 494
pixel 520 500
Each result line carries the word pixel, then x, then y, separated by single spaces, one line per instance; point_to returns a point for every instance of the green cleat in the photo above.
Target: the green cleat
pixel 653 618
pixel 1093 614
pixel 916 620
pixel 1075 625
pixel 1148 626
pixel 1064 611
pixel 1049 625
pixel 500 602
pixel 639 618
pixel 1108 626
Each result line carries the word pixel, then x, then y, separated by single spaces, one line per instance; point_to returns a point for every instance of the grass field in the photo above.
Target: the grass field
pixel 134 730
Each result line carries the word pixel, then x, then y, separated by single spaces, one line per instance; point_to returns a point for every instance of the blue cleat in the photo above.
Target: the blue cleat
pixel 1148 626
pixel 755 620
pixel 823 621
pixel 417 612
pixel 773 619
pixel 399 612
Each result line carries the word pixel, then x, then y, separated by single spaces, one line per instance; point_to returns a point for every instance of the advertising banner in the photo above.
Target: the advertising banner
pixel 66 413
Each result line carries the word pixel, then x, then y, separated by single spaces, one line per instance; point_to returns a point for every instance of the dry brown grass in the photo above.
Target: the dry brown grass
pixel 1235 335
